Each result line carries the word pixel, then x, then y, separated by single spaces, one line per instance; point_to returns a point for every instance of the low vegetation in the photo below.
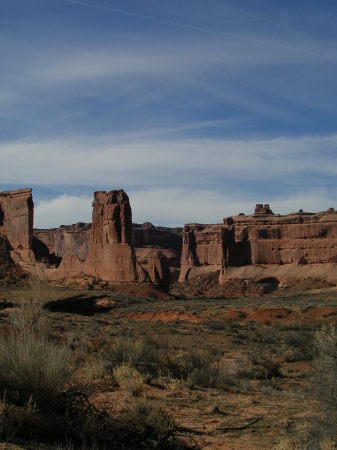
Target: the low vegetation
pixel 42 401
pixel 73 375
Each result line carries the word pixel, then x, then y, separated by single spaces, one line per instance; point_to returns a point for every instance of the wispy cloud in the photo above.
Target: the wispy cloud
pixel 180 103
pixel 176 206
pixel 91 161
pixel 137 76
pixel 146 17
pixel 62 210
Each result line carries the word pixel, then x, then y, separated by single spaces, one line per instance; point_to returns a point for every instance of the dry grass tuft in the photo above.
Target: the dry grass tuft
pixel 94 368
pixel 149 415
pixel 32 367
pixel 129 378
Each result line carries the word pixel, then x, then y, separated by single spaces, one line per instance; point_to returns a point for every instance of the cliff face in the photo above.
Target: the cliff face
pixel 158 249
pixel 294 239
pixel 16 233
pixel 147 235
pixel 77 238
pixel 16 218
pixel 111 255
pixel 263 245
pixel 74 239
pixel 261 239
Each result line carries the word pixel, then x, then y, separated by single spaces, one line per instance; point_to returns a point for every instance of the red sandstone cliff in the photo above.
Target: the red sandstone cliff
pixel 16 227
pixel 263 239
pixel 111 256
pixel 289 248
pixel 16 218
pixel 66 239
pixel 158 249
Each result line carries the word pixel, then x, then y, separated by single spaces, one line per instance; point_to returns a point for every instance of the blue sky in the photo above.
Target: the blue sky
pixel 198 109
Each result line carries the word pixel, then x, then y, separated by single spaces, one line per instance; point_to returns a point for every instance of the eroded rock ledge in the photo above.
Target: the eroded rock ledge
pixel 294 246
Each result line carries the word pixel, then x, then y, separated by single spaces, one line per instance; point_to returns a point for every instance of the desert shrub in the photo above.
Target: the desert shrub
pixel 325 382
pixel 126 349
pixel 149 357
pixel 268 387
pixel 201 367
pixel 149 416
pixel 302 342
pixel 13 417
pixel 212 376
pixel 321 431
pixel 31 309
pixel 128 378
pixel 31 366
pixel 94 368
pixel 301 442
pixel 185 362
pixel 216 325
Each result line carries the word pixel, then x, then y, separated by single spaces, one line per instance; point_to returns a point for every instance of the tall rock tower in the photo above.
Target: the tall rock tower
pixel 111 256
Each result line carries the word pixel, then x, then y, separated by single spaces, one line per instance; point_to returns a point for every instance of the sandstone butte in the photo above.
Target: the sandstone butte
pixel 103 250
pixel 288 248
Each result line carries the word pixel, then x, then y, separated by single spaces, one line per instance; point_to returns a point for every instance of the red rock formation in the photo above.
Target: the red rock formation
pixel 147 235
pixel 9 272
pixel 158 249
pixel 16 218
pixel 111 256
pixel 146 239
pixel 262 239
pixel 61 241
pixel 157 264
pixel 77 239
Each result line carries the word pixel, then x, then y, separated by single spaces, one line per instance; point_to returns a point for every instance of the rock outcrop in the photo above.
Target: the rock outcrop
pixel 9 272
pixel 111 256
pixel 263 239
pixel 148 235
pixel 158 247
pixel 74 239
pixel 265 248
pixel 16 226
pixel 16 218
pixel 77 238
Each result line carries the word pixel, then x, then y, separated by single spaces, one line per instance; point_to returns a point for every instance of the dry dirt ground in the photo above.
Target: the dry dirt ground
pixel 265 343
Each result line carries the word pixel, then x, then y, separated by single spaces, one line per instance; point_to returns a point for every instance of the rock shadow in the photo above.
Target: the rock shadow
pixel 79 304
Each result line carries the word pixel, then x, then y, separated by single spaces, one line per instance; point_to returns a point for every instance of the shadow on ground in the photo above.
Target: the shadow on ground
pixel 80 304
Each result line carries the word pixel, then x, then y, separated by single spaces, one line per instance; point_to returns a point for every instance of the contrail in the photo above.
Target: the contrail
pixel 141 16
pixel 200 29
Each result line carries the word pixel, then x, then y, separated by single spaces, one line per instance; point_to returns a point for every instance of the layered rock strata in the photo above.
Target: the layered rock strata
pixel 263 241
pixel 75 239
pixel 158 249
pixel 262 246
